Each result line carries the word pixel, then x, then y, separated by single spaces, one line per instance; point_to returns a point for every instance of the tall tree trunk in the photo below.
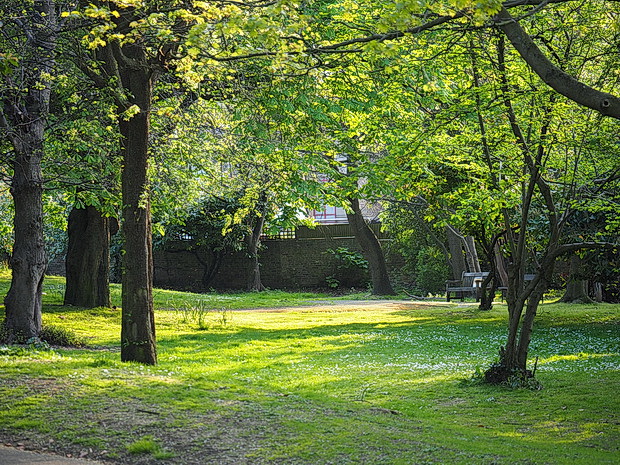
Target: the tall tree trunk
pixel 23 117
pixel 253 241
pixel 28 262
pixel 473 262
pixel 88 259
pixel 371 248
pixel 138 319
pixel 457 259
pixel 576 287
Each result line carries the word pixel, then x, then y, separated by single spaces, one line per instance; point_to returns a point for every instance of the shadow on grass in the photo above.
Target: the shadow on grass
pixel 261 390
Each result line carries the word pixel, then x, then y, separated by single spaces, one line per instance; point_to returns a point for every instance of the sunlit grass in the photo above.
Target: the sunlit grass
pixel 318 387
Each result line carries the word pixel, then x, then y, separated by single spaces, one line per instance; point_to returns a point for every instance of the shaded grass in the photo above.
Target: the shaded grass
pixel 318 387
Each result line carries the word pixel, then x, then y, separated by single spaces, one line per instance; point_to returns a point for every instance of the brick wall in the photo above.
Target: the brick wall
pixel 299 263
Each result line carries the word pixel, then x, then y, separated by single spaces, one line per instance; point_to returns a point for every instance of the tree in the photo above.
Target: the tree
pixel 534 221
pixel 334 155
pixel 132 67
pixel 88 258
pixel 537 156
pixel 232 157
pixel 402 19
pixel 135 43
pixel 29 36
pixel 81 172
pixel 371 249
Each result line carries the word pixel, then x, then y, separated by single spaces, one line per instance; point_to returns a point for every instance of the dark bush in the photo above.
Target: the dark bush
pixel 59 336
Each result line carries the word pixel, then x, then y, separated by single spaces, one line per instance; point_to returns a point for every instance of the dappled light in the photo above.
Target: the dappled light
pixel 405 368
pixel 315 232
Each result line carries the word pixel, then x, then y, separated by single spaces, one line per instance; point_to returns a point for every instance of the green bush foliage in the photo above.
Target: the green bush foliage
pixel 59 336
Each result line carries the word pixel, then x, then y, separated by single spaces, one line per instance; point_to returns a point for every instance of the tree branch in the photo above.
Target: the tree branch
pixel 603 102
pixel 563 249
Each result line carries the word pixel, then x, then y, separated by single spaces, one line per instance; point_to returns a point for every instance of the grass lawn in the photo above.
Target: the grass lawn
pixel 322 385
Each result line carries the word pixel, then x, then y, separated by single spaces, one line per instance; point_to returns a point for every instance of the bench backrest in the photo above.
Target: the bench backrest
pixel 473 278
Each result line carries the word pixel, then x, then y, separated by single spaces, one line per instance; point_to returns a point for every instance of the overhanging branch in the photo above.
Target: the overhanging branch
pixel 574 247
pixel 560 81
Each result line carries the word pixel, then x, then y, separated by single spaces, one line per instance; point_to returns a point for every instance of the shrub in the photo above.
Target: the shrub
pixel 351 268
pixel 59 336
pixel 431 270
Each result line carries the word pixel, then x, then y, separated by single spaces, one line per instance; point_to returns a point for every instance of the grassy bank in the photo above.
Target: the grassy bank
pixel 316 386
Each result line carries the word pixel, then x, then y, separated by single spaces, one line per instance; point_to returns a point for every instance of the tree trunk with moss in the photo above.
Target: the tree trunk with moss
pixel 138 318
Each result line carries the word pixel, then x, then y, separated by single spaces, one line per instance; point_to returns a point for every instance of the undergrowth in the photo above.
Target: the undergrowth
pixel 60 336
pixel 50 335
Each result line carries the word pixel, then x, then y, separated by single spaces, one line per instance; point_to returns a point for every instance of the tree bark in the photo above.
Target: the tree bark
pixel 487 292
pixel 472 254
pixel 23 117
pixel 88 259
pixel 253 241
pixel 23 303
pixel 371 249
pixel 457 258
pixel 138 319
pixel 576 287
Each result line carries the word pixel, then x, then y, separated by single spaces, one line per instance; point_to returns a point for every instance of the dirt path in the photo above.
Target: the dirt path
pixel 352 305
pixel 18 456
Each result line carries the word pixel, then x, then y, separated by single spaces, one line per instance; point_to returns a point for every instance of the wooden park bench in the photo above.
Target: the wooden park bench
pixel 469 285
